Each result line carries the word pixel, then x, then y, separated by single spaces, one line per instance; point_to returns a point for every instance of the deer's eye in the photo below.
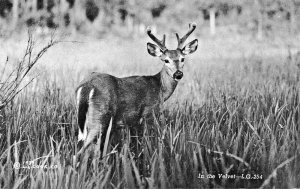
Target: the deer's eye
pixel 182 59
pixel 167 61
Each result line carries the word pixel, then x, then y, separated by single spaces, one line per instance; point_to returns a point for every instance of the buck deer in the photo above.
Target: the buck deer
pixel 104 99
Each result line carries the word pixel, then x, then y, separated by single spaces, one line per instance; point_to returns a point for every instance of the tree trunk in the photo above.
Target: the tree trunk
pixel 63 10
pixel 45 4
pixel 15 14
pixel 34 7
pixel 259 7
pixel 292 12
pixel 77 16
pixel 79 12
pixel 260 26
pixel 212 20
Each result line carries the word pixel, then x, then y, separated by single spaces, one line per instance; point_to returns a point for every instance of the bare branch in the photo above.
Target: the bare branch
pixel 10 87
pixel 4 68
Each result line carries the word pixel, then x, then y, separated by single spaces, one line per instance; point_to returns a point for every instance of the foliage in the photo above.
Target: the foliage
pixel 131 16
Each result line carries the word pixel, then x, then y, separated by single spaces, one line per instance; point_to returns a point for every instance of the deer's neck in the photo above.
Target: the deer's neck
pixel 167 84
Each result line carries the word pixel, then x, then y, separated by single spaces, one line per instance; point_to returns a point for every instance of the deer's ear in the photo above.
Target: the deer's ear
pixel 154 50
pixel 190 47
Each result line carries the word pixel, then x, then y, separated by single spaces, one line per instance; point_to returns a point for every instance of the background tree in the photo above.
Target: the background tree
pixel 130 16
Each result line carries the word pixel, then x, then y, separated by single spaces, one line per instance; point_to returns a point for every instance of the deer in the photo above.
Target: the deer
pixel 104 100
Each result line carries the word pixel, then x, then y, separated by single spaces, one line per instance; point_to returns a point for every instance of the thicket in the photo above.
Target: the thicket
pixel 131 16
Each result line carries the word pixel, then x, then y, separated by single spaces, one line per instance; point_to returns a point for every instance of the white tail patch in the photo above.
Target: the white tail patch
pixel 91 94
pixel 78 96
pixel 82 135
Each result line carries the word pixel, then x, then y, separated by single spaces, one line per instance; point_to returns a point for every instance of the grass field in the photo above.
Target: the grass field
pixel 236 112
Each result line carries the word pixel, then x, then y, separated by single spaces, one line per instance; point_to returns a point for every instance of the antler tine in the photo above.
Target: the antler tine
pixel 160 43
pixel 181 41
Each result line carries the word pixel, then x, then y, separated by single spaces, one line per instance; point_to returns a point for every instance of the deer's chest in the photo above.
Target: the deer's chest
pixel 131 111
pixel 136 98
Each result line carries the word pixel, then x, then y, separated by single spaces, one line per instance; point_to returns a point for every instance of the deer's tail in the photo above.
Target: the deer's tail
pixel 82 94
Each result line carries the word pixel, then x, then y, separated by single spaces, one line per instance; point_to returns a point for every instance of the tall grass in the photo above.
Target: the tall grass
pixel 236 116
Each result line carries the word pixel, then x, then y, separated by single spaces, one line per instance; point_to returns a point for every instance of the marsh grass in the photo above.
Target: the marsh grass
pixel 228 116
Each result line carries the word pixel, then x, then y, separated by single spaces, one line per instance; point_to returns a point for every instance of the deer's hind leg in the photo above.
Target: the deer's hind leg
pixel 97 120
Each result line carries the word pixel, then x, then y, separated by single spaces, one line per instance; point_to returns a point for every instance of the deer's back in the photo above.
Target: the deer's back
pixel 126 99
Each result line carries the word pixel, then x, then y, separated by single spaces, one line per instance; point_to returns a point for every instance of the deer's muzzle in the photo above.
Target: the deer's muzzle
pixel 178 75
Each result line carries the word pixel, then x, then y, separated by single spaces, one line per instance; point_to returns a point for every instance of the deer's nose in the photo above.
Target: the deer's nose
pixel 178 75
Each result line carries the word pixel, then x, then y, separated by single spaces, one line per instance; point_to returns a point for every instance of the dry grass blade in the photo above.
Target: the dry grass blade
pixel 162 168
pixel 274 172
pixel 106 178
pixel 136 172
pixel 19 182
pixel 5 152
pixel 253 129
pixel 107 138
pixel 230 155
pixel 3 71
pixel 127 169
pixel 225 154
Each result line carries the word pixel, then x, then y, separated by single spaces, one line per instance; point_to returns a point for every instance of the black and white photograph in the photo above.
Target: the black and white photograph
pixel 149 94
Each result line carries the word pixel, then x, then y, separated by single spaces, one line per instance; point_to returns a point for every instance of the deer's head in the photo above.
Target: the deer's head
pixel 173 59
